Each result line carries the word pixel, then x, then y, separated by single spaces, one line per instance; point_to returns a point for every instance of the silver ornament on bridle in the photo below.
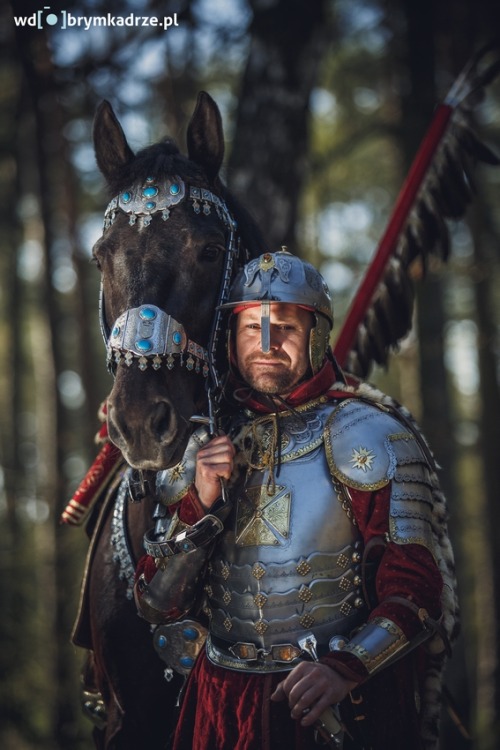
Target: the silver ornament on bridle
pixel 147 335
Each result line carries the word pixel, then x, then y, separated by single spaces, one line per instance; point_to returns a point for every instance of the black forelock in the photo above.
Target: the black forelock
pixel 160 159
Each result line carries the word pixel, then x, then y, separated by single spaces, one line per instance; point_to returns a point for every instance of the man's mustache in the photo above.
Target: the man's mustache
pixel 261 358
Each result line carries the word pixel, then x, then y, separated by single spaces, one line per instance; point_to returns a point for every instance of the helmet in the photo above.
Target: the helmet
pixel 282 277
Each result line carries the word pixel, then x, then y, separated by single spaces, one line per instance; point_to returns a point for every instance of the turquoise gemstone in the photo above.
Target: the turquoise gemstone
pixel 147 313
pixel 143 345
pixel 190 634
pixel 162 641
pixel 126 197
pixel 150 205
pixel 115 331
pixel 174 189
pixel 150 192
pixel 177 338
pixel 187 661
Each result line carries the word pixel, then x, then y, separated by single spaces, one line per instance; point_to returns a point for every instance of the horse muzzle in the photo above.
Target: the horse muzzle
pixel 150 434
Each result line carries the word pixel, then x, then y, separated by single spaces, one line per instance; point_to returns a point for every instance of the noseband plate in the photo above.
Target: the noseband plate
pixel 147 333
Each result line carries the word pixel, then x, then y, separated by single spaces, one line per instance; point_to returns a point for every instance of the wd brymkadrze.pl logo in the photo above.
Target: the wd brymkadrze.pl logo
pixel 45 18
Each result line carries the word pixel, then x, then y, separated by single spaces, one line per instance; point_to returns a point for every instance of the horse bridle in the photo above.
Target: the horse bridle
pixel 147 334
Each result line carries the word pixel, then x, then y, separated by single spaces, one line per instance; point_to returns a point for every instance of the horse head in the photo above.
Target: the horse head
pixel 168 242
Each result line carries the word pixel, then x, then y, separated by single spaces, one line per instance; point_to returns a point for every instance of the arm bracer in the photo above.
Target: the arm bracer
pixel 180 558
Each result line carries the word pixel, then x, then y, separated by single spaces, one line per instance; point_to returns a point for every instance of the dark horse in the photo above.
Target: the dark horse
pixel 163 258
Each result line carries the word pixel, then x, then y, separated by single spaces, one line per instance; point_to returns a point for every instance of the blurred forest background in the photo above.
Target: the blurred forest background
pixel 324 104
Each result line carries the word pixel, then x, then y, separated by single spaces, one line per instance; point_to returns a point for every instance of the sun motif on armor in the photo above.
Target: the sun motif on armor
pixel 362 458
pixel 177 472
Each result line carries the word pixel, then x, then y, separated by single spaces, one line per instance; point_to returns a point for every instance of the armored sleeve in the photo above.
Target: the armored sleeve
pixel 368 449
pixel 179 545
pixel 388 479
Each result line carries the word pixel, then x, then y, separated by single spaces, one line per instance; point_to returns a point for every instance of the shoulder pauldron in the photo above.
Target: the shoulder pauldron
pixel 172 484
pixel 368 448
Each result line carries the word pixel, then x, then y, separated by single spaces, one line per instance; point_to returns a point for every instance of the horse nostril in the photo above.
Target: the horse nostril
pixel 163 420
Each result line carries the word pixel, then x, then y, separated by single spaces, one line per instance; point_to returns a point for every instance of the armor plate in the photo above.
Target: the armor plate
pixel 366 449
pixel 287 563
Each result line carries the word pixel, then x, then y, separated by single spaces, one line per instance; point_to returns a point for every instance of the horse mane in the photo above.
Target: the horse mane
pixel 163 158
pixel 248 229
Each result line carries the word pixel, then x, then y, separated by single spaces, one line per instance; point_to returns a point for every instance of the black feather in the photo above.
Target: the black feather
pixel 445 192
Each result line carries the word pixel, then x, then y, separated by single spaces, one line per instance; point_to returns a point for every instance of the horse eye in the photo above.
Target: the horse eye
pixel 95 261
pixel 210 252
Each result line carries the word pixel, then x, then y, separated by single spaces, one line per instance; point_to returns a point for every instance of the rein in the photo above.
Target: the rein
pixel 148 334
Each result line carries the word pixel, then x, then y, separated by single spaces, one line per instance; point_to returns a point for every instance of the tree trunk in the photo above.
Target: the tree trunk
pixel 268 162
pixel 55 574
pixel 417 109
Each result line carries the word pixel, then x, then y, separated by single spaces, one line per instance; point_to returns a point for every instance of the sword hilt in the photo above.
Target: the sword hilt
pixel 328 725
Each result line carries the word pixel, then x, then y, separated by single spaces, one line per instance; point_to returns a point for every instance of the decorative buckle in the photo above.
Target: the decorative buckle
pixel 283 652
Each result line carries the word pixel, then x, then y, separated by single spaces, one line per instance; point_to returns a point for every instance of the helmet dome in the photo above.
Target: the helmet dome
pixel 281 277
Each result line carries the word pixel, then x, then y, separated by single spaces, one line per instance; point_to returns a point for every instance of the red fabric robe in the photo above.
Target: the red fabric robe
pixel 229 710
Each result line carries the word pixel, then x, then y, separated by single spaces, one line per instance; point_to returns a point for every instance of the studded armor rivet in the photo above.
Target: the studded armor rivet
pixel 356 557
pixel 258 571
pixel 228 624
pixel 345 608
pixel 344 584
pixel 343 561
pixel 225 571
pixel 261 627
pixel 260 599
pixel 357 580
pixel 358 603
pixel 307 621
pixel 336 643
pixel 305 594
pixel 227 597
pixel 303 568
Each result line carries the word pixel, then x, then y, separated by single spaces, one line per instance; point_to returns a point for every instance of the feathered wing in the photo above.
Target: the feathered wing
pixel 439 186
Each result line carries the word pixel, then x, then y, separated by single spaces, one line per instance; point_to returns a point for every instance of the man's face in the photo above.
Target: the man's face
pixel 279 370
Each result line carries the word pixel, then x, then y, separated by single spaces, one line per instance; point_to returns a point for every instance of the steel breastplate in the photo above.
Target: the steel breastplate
pixel 288 562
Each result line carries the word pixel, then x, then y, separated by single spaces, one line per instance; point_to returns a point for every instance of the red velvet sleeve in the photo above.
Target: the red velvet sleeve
pixel 404 570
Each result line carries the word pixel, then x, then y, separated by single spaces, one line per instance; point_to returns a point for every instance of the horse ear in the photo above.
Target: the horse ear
pixel 111 148
pixel 205 136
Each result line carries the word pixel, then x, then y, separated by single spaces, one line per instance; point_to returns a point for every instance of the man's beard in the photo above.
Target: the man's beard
pixel 275 381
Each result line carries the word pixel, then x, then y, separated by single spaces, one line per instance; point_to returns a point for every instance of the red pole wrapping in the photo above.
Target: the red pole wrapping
pixel 397 222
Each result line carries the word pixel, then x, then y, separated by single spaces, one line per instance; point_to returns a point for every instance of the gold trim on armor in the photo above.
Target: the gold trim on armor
pixel 263 518
pixel 403 531
pixel 377 643
pixel 363 483
pixel 259 456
